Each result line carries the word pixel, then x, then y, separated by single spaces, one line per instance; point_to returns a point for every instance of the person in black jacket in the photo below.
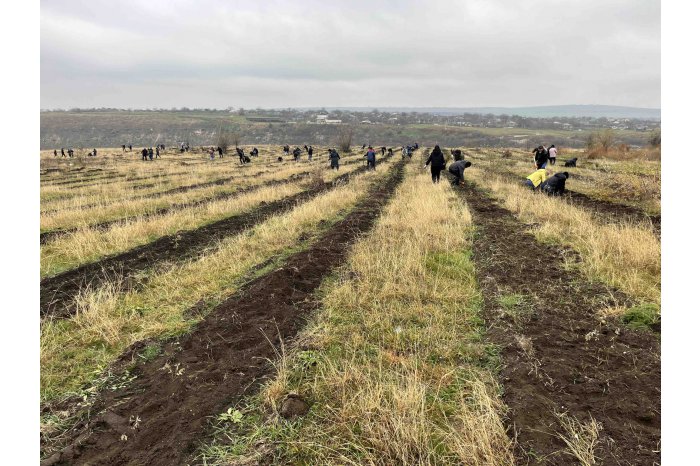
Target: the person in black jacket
pixel 241 155
pixel 555 184
pixel 541 157
pixel 437 163
pixel 457 170
pixel 144 154
pixel 571 162
pixel 220 151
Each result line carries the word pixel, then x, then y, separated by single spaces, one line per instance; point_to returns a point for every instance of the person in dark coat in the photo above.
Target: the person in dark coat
pixel 296 153
pixel 255 152
pixel 371 157
pixel 55 153
pixel 391 152
pixel 310 151
pixel 541 157
pixel 241 155
pixel 150 153
pixel 457 170
pixel 158 151
pixel 555 184
pixel 436 160
pixel 571 162
pixel 383 148
pixel 334 157
pixel 144 154
pixel 220 151
pixel 63 152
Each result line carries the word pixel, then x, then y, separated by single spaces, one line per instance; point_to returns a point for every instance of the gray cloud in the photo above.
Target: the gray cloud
pixel 361 53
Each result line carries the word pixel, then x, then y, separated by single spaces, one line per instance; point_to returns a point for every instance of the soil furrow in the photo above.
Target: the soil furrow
pixel 58 292
pixel 224 357
pixel 47 236
pixel 558 355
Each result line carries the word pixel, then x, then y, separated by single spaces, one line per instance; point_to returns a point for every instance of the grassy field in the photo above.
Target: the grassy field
pixel 284 313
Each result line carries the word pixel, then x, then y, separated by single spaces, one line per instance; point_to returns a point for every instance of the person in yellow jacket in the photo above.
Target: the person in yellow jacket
pixel 536 179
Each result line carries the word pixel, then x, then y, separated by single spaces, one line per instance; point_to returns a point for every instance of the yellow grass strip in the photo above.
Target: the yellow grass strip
pixel 393 363
pixel 74 351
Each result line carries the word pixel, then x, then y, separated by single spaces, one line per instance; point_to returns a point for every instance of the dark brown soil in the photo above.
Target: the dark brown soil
pixel 57 292
pixel 47 236
pixel 225 357
pixel 618 211
pixel 559 356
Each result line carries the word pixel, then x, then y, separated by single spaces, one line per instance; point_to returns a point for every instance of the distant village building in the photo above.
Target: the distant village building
pixel 333 122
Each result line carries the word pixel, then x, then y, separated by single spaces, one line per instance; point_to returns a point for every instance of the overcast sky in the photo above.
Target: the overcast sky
pixel 259 53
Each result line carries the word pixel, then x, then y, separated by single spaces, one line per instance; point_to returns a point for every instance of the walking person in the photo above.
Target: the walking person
pixel 310 151
pixel 123 147
pixel 158 151
pixel 371 159
pixel 129 147
pixel 436 160
pixel 150 153
pixel 144 154
pixel 296 153
pixel 241 155
pixel 55 153
pixel 457 170
pixel 63 152
pixel 220 151
pixel 552 154
pixel 334 157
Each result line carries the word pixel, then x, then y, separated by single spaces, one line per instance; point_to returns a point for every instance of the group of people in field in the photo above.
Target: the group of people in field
pixel 437 163
pixel 71 152
pixel 539 179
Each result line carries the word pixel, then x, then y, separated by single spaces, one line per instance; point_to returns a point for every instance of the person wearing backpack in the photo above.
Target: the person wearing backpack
pixel 436 160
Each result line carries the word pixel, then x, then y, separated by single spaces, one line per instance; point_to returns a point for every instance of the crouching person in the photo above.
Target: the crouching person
pixel 456 169
pixel 555 184
pixel 536 179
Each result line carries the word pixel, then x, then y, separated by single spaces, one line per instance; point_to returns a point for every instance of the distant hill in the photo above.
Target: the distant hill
pixel 594 111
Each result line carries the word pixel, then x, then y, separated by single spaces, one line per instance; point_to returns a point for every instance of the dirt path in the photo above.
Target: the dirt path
pixel 557 355
pixel 57 292
pixel 222 359
pixel 47 236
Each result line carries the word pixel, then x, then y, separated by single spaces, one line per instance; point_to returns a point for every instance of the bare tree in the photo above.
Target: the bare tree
pixel 655 138
pixel 605 139
pixel 227 137
pixel 345 138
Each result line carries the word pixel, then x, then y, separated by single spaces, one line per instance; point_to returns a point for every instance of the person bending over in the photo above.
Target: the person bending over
pixel 457 170
pixel 536 178
pixel 555 184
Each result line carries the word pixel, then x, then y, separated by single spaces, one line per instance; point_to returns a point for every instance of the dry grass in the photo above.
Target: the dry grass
pixel 75 351
pixel 581 438
pixel 393 363
pixel 626 255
